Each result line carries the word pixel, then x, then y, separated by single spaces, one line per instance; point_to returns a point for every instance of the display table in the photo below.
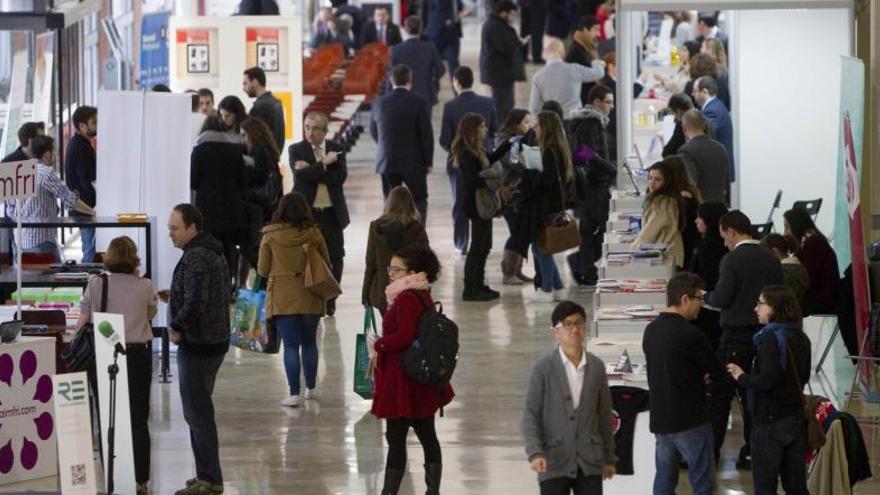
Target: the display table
pixel 27 417
pixel 626 202
pixel 617 242
pixel 637 269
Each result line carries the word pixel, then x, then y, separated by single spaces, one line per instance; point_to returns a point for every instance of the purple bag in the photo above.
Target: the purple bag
pixel 583 155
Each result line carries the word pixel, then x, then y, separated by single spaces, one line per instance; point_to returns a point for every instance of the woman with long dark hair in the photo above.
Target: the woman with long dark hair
pixel 775 385
pixel 265 184
pixel 516 125
pixel 690 201
pixel 403 402
pixel 471 159
pixel 663 214
pixel 232 112
pixel 818 258
pixel 296 311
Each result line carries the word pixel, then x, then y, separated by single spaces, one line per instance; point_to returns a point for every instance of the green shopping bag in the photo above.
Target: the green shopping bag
pixel 363 383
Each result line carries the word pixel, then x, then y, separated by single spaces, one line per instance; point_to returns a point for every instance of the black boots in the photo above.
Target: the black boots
pixel 433 472
pixel 393 477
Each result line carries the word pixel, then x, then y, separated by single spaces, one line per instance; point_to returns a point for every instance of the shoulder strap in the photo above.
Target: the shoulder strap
pixel 794 368
pixel 104 283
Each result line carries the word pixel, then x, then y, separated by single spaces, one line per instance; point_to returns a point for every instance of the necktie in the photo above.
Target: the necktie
pixel 322 195
pixel 319 155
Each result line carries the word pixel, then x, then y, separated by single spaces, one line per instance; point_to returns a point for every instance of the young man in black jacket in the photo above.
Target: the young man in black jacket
pixel 266 107
pixel 80 170
pixel 679 356
pixel 743 273
pixel 26 133
pixel 501 57
pixel 199 325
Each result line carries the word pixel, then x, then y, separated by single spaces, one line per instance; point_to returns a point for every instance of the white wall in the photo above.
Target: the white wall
pixel 786 87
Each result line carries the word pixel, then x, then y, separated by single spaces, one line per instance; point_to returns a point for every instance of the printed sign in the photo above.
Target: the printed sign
pixel 154 49
pixel 76 464
pixel 18 179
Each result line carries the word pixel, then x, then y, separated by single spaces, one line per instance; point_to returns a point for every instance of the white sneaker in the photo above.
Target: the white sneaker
pixel 539 296
pixel 560 295
pixel 292 401
pixel 311 393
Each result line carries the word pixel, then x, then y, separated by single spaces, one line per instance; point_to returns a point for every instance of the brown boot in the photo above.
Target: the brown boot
pixel 509 267
pixel 519 274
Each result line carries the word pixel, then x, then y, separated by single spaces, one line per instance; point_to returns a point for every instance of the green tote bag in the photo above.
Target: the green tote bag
pixel 363 383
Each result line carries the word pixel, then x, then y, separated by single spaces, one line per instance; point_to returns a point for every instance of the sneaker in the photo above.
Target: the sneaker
pixel 201 487
pixel 560 295
pixel 539 296
pixel 292 401
pixel 522 276
pixel 511 280
pixel 311 394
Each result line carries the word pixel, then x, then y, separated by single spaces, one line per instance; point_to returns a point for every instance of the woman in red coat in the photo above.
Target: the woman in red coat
pixel 402 401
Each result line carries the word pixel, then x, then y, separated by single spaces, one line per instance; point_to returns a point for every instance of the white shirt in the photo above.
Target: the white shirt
pixel 575 375
pixel 322 195
pixel 747 241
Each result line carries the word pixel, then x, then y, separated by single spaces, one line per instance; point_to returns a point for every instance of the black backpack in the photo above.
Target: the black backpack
pixel 432 356
pixel 80 354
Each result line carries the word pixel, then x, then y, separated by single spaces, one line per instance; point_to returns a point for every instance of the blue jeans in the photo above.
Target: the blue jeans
pixel 87 236
pixel 778 451
pixel 298 332
pixel 197 374
pixel 460 221
pixel 550 279
pixel 694 446
pixel 449 50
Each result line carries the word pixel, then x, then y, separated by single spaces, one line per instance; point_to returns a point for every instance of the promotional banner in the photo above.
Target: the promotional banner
pixel 849 241
pixel 45 58
pixel 154 49
pixel 15 102
pixel 27 415
pixel 110 332
pixel 76 463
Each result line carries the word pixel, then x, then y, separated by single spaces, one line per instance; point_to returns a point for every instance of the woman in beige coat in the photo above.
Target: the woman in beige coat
pixel 295 309
pixel 662 218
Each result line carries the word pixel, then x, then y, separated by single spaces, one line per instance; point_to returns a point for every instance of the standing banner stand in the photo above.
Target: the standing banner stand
pixel 18 180
pixel 76 463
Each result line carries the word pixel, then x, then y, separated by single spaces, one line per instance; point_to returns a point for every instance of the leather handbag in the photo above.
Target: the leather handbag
pixel 815 431
pixel 561 233
pixel 319 279
pixel 80 355
pixel 488 203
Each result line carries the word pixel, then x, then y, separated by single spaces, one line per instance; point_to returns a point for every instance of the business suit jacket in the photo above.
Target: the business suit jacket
pixel 427 67
pixel 400 126
pixel 269 109
pixel 438 18
pixel 322 38
pixel 707 165
pixel 722 130
pixel 370 34
pixel 501 55
pixel 455 109
pixel 306 181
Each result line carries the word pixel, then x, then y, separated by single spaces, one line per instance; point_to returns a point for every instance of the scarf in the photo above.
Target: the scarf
pixel 778 331
pixel 417 281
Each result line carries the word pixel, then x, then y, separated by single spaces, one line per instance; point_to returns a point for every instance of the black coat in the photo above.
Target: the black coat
pixel 541 197
pixel 16 156
pixel 264 171
pixel 371 35
pixel 427 66
pixel 400 125
pixel 689 233
pixel 269 109
pixel 707 258
pixel 306 181
pixel 453 110
pixel 219 180
pixel 470 166
pixel 80 168
pixel 577 54
pixel 675 142
pixel 501 55
pixel 558 20
pixel 707 165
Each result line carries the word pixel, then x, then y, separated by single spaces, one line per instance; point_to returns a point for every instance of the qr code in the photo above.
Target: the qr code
pixel 78 476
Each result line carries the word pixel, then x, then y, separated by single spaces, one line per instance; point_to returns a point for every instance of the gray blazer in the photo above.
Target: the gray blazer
pixel 551 428
pixel 707 163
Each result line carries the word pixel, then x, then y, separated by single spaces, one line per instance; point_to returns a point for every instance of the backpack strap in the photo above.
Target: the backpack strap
pixel 104 283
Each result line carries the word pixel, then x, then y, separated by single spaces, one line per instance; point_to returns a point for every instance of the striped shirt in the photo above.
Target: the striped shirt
pixel 50 188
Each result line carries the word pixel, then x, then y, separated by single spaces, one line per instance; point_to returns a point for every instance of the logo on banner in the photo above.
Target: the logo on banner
pixel 30 424
pixel 850 167
pixel 72 391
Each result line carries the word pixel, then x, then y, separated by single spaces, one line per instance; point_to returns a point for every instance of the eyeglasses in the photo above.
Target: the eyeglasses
pixel 395 269
pixel 698 298
pixel 572 326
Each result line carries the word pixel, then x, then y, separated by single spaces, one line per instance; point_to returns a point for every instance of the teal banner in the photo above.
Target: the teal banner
pixel 852 107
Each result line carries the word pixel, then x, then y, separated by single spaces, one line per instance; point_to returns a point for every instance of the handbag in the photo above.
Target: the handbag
pixel 488 203
pixel 319 279
pixel 561 233
pixel 815 431
pixel 363 381
pixel 80 355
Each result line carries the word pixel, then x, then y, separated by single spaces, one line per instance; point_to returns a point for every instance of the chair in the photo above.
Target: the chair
pixel 811 206
pixel 760 230
pixel 775 205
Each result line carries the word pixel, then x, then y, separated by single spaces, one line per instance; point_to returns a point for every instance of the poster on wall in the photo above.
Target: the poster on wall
pixel 44 58
pixel 267 48
pixel 198 57
pixel 154 49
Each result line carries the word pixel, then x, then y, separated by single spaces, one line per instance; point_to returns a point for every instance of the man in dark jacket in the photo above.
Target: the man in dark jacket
pixel 586 34
pixel 501 57
pixel 423 60
pixel 678 356
pixel 401 127
pixel 679 103
pixel 80 170
pixel 266 107
pixel 467 101
pixel 589 129
pixel 381 30
pixel 319 171
pixel 743 273
pixel 199 325
pixel 26 133
pixel 443 28
pixel 705 158
pixel 720 124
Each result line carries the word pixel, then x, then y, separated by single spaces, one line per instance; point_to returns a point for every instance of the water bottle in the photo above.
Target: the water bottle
pixel 515 149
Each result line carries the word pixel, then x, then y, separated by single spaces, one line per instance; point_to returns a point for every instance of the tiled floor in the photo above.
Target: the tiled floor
pixel 334 445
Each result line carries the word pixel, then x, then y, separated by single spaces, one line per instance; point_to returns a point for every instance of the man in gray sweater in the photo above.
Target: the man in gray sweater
pixel 561 81
pixel 566 423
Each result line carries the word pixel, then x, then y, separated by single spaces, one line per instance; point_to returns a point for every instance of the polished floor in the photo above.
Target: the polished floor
pixel 335 446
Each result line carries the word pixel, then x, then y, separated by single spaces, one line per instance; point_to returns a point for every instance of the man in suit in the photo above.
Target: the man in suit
pixel 501 56
pixel 381 30
pixel 319 172
pixel 423 60
pixel 400 125
pixel 705 158
pixel 713 109
pixel 266 107
pixel 466 102
pixel 331 34
pixel 26 133
pixel 443 27
pixel 707 27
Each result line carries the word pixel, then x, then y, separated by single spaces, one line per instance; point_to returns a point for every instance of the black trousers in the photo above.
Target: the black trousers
pixel 525 26
pixel 581 485
pixel 397 429
pixel 592 222
pixel 481 245
pixel 502 96
pixel 417 185
pixel 537 26
pixel 778 451
pixel 736 347
pixel 335 240
pixel 139 359
pixel 231 239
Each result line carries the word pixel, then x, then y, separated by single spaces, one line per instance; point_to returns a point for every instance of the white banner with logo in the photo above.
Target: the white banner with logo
pixel 76 464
